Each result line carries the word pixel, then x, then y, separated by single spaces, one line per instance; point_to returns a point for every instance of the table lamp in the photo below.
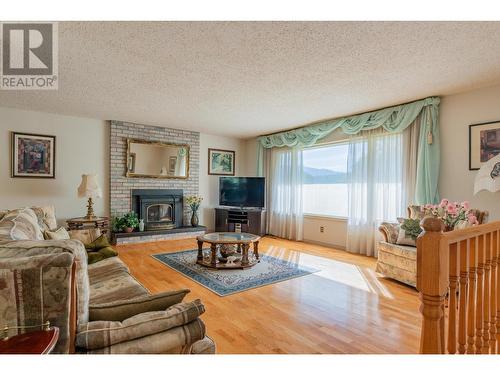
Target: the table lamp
pixel 89 188
pixel 488 176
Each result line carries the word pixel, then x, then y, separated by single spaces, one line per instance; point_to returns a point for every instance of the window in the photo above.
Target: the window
pixel 325 180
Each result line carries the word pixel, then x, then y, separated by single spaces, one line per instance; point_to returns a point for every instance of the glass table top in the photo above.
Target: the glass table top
pixel 222 237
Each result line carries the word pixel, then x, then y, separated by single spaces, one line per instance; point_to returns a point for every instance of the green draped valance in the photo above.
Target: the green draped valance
pixel 392 119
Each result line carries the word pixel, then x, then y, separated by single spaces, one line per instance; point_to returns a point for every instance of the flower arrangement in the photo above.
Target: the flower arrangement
pixel 194 202
pixel 451 213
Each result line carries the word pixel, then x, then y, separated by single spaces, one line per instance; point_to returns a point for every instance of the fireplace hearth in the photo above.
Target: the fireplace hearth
pixel 159 208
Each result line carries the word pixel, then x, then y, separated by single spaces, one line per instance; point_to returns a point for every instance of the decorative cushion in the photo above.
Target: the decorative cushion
pixel 86 236
pixel 405 239
pixel 416 212
pixel 20 224
pixel 60 234
pixel 46 217
pixel 100 334
pixel 34 290
pixel 101 254
pixel 408 232
pixel 204 346
pixel 178 340
pixel 121 310
pixel 99 243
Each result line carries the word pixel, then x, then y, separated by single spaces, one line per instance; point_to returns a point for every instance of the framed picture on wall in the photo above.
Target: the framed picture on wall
pixel 484 143
pixel 221 162
pixel 33 155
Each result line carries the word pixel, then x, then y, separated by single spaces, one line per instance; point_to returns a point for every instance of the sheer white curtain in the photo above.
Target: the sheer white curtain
pixel 379 185
pixel 284 181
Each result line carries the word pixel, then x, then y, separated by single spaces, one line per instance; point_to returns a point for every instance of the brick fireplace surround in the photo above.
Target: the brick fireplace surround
pixel 121 187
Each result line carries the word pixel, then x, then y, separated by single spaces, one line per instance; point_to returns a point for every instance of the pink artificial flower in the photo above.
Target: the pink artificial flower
pixel 443 203
pixel 452 209
pixel 471 218
pixel 465 205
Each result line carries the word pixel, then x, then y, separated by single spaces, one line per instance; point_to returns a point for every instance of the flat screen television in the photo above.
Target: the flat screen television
pixel 242 191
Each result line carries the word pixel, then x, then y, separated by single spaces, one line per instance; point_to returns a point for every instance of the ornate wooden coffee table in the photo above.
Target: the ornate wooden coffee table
pixel 225 256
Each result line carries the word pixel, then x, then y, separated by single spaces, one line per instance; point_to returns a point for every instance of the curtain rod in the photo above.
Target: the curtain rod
pixel 336 118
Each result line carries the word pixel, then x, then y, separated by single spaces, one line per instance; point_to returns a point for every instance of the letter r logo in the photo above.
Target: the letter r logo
pixel 27 49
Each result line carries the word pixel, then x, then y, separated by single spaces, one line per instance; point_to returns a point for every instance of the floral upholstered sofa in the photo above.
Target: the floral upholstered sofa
pixel 98 308
pixel 399 261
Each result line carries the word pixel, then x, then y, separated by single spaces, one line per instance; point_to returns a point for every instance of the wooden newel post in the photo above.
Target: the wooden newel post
pixel 432 283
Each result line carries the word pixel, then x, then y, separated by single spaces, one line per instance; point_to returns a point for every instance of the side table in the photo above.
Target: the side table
pixel 35 342
pixel 88 223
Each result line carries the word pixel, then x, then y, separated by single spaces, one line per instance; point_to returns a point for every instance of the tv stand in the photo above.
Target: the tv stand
pixel 251 220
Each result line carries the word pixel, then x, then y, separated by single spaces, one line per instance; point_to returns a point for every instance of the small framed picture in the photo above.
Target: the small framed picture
pixel 221 162
pixel 33 155
pixel 484 143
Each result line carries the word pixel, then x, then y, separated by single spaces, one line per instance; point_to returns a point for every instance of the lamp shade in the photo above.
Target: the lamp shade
pixel 89 187
pixel 488 177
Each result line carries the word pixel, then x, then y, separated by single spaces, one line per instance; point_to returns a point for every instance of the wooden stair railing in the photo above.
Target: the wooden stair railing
pixel 458 277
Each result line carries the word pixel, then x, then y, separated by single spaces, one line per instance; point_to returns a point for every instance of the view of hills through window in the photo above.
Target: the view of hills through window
pixel 325 180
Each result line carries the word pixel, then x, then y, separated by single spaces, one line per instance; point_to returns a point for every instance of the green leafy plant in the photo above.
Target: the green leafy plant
pixel 411 227
pixel 117 224
pixel 129 220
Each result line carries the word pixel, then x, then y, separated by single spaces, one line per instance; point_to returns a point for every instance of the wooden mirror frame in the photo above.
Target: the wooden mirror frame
pixel 156 143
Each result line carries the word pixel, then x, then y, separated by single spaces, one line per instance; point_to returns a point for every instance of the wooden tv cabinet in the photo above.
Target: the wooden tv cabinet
pixel 252 220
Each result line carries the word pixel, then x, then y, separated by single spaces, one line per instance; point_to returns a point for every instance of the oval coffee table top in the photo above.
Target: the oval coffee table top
pixel 229 237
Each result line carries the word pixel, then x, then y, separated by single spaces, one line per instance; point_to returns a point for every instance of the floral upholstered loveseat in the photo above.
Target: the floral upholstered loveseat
pixel 98 308
pixel 399 261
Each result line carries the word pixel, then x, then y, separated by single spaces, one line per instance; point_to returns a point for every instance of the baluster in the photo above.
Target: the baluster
pixel 486 298
pixel 493 294
pixel 472 295
pixel 432 283
pixel 479 300
pixel 452 300
pixel 462 310
pixel 498 291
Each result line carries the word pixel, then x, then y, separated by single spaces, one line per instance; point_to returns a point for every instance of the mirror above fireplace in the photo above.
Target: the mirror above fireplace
pixel 149 159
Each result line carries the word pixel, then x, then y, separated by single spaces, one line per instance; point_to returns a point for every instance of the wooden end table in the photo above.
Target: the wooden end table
pixel 219 239
pixel 85 223
pixel 35 342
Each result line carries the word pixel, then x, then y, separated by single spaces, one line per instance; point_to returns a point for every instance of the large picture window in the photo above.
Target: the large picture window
pixel 325 180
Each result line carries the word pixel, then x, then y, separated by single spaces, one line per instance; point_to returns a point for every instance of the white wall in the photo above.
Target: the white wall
pixel 81 147
pixel 209 184
pixel 334 231
pixel 457 112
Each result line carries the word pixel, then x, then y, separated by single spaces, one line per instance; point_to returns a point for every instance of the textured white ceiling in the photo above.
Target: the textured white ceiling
pixel 248 78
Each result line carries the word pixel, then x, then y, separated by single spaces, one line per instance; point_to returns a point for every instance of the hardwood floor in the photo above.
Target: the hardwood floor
pixel 344 308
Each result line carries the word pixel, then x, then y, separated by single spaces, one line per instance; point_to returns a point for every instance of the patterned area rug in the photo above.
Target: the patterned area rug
pixel 270 270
